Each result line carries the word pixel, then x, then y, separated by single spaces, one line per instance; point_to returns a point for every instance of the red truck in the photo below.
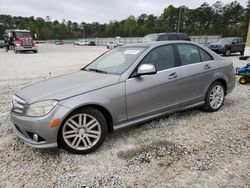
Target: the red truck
pixel 21 40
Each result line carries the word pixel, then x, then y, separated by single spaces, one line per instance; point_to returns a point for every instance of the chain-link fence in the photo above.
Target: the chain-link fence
pixel 204 40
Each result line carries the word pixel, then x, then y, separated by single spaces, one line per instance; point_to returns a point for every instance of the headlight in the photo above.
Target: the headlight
pixel 222 46
pixel 41 108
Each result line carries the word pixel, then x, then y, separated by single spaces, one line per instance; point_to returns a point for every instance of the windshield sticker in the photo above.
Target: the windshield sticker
pixel 131 52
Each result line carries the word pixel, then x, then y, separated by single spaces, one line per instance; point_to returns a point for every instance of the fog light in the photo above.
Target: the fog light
pixel 35 137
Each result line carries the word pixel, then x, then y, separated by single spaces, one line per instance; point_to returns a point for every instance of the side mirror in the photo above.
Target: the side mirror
pixel 146 69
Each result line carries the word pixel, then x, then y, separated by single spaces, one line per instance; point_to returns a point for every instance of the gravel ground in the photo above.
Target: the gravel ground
pixel 185 149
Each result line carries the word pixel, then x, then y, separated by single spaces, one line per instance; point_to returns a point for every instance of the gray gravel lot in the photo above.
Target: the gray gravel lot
pixel 185 149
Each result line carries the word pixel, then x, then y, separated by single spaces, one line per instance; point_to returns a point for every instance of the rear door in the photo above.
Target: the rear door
pixel 197 69
pixel 151 94
pixel 235 46
pixel 241 46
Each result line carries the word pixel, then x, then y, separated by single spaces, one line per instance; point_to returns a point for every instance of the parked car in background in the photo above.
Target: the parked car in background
pixel 81 43
pixel 59 42
pixel 165 37
pixel 91 43
pixel 125 86
pixel 113 44
pixel 21 40
pixel 228 45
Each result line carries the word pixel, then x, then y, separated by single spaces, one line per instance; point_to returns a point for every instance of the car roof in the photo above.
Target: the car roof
pixel 166 33
pixel 157 43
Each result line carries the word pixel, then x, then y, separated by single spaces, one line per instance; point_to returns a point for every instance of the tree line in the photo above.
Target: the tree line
pixel 218 19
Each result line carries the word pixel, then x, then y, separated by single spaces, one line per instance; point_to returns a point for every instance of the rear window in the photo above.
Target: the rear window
pixel 189 54
pixel 205 56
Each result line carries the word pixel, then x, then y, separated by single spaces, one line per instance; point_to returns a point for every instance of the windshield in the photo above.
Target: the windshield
pixel 149 38
pixel 225 40
pixel 22 34
pixel 115 61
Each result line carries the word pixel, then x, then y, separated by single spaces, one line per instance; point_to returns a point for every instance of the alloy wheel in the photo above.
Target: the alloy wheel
pixel 81 131
pixel 216 97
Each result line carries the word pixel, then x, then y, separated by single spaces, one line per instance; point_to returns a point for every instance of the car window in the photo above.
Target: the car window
pixel 239 40
pixel 163 38
pixel 161 57
pixel 183 37
pixel 116 61
pixel 172 37
pixel 205 56
pixel 189 54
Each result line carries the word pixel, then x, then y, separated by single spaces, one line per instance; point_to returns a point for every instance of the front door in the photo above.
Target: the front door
pixel 151 94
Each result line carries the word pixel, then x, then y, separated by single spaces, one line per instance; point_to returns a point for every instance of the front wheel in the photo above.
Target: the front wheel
pixel 227 52
pixel 242 52
pixel 215 97
pixel 83 131
pixel 15 50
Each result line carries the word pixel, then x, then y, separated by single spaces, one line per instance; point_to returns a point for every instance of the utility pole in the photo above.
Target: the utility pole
pixel 247 48
pixel 179 20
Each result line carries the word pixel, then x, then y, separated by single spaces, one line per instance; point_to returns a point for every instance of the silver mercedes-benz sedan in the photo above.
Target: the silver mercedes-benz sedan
pixel 125 86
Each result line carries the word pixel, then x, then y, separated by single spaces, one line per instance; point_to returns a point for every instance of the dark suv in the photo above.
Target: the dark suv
pixel 165 36
pixel 228 45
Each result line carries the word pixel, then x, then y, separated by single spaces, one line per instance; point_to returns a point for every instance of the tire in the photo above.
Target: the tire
pixel 243 80
pixel 215 97
pixel 35 51
pixel 81 140
pixel 15 50
pixel 242 52
pixel 227 52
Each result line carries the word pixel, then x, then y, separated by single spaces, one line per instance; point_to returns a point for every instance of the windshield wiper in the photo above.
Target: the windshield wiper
pixel 97 70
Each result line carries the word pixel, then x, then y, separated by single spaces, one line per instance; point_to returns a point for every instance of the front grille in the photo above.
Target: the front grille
pixel 18 105
pixel 27 42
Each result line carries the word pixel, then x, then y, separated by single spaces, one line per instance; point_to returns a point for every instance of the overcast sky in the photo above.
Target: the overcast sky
pixel 94 10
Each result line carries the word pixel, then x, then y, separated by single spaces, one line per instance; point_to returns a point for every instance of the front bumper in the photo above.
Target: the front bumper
pixel 25 127
pixel 26 48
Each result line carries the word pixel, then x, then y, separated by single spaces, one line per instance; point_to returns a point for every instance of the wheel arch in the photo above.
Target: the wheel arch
pixel 222 81
pixel 103 110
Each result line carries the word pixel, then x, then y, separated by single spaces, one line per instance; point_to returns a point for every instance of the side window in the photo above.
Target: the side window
pixel 205 56
pixel 161 57
pixel 240 41
pixel 183 37
pixel 189 54
pixel 163 38
pixel 172 37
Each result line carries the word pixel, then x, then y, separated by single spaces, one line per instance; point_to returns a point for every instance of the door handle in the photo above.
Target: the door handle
pixel 172 76
pixel 207 66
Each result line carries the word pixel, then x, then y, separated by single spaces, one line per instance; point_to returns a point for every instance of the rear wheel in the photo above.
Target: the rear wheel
pixel 243 80
pixel 83 131
pixel 215 97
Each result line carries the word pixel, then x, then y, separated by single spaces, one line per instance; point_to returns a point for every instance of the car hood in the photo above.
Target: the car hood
pixel 66 86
